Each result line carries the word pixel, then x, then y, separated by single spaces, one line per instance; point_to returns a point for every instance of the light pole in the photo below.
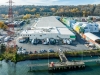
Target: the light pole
pixel 48 57
pixel 82 56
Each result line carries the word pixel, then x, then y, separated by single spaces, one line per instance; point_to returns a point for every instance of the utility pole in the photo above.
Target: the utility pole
pixel 10 13
pixel 10 31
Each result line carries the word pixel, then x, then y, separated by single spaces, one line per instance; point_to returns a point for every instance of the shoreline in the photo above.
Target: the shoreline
pixel 17 58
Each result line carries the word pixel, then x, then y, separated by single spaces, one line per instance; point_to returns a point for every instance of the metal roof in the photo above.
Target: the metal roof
pixel 46 30
pixel 92 36
pixel 65 31
pixel 49 22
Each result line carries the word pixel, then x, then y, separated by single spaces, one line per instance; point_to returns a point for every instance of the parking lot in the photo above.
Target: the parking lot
pixel 74 46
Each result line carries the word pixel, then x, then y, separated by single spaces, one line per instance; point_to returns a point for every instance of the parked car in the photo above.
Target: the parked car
pixel 51 51
pixel 45 43
pixel 21 40
pixel 34 41
pixel 6 38
pixel 43 51
pixel 19 51
pixel 68 42
pixel 21 28
pixel 60 50
pixel 30 52
pixel 23 51
pixel 35 51
pixel 52 41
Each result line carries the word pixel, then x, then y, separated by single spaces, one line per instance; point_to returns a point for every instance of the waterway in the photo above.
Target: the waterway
pixel 9 68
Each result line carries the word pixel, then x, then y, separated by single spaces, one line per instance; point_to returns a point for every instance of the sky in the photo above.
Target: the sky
pixel 50 2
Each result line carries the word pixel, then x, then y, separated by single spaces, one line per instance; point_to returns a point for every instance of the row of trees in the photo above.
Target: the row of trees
pixel 80 10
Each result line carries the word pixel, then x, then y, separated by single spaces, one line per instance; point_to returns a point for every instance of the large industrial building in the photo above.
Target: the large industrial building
pixel 48 27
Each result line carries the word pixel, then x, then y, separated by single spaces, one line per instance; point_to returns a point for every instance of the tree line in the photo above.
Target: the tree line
pixel 70 11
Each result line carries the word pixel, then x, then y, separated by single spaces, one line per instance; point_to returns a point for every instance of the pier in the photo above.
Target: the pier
pixel 62 57
pixel 65 64
pixel 60 66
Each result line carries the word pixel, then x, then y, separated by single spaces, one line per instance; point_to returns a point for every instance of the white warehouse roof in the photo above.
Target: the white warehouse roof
pixel 92 36
pixel 46 30
pixel 49 22
pixel 65 31
pixel 48 27
pixel 40 30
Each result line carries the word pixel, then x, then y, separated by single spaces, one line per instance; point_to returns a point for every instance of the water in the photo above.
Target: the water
pixel 21 68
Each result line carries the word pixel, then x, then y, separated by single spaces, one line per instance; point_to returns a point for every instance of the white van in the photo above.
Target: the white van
pixel 32 41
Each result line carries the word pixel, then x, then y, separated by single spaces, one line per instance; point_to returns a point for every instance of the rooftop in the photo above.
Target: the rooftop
pixel 49 30
pixel 92 36
pixel 41 30
pixel 97 33
pixel 49 22
pixel 65 31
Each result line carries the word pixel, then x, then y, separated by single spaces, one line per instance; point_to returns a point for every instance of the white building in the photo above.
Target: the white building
pixel 45 32
pixel 98 24
pixel 91 36
pixel 88 27
pixel 48 27
pixel 71 23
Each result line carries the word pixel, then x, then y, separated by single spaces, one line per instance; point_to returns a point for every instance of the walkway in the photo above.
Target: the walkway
pixel 62 57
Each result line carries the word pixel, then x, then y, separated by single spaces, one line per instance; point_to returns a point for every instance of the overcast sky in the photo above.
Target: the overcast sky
pixel 50 2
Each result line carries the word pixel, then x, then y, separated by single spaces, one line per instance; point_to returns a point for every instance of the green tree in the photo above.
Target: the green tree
pixel 2 48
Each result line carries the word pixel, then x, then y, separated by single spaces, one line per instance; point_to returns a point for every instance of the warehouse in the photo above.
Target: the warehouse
pixel 49 22
pixel 46 32
pixel 48 27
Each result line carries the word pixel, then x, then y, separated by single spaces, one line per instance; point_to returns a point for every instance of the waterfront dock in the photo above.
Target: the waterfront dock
pixel 62 57
pixel 65 64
